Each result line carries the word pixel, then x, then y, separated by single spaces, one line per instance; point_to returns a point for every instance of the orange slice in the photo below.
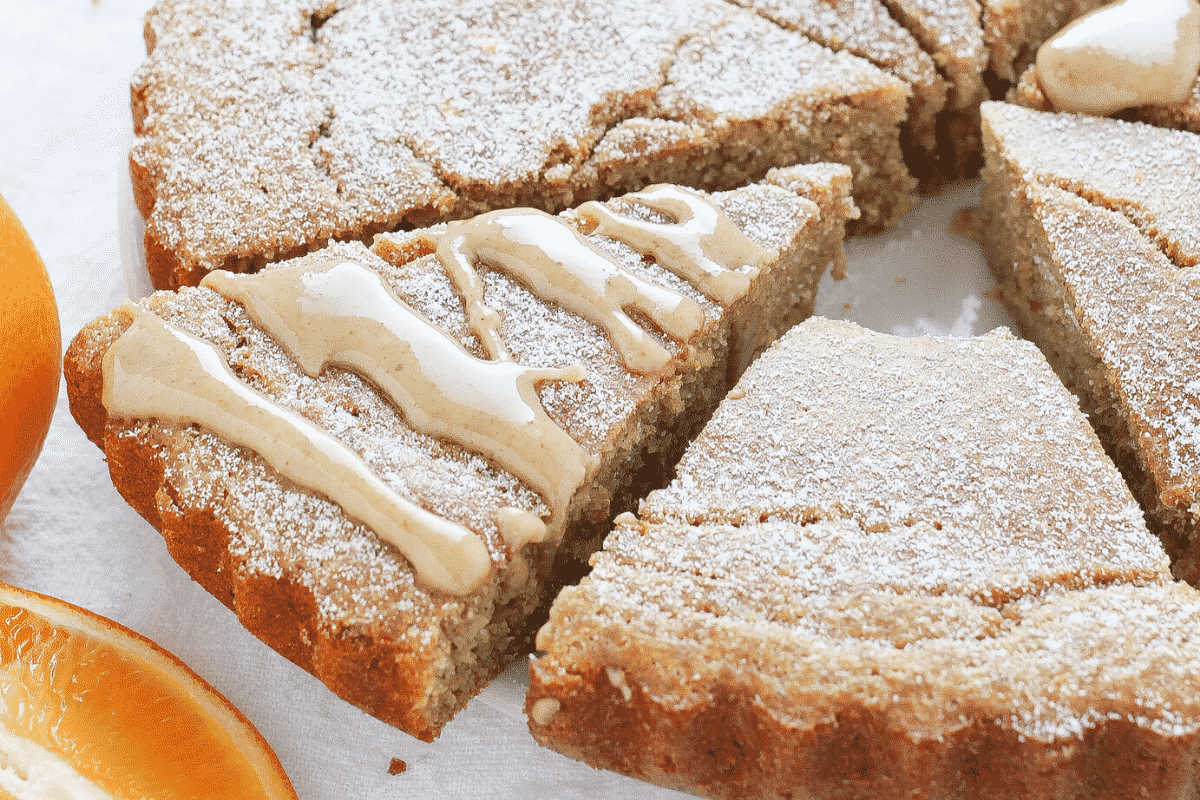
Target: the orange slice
pixel 90 709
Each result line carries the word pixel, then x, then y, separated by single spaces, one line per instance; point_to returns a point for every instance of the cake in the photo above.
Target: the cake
pixel 378 148
pixel 887 568
pixel 1015 29
pixel 387 460
pixel 263 130
pixel 866 29
pixel 1094 246
pixel 951 31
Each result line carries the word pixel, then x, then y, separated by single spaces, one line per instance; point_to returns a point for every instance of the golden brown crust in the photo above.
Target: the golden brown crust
pixel 727 748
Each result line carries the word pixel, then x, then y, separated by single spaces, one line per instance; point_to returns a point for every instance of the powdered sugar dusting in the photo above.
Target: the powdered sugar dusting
pixel 712 78
pixel 862 27
pixel 218 187
pixel 1142 316
pixel 866 29
pixel 1123 231
pixel 506 90
pixel 951 31
pixel 922 528
pixel 1132 168
pixel 266 128
pixel 974 440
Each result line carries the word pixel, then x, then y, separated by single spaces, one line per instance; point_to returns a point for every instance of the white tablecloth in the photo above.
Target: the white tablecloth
pixel 64 91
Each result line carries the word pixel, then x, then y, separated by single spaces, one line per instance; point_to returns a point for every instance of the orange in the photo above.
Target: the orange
pixel 120 711
pixel 30 356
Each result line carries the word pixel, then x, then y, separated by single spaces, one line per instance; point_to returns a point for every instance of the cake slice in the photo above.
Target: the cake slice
pixel 1093 233
pixel 266 128
pixel 951 31
pixel 386 461
pixel 887 568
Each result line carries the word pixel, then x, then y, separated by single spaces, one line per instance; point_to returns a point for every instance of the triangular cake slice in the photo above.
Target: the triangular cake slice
pixel 1093 232
pixel 951 31
pixel 887 568
pixel 936 46
pixel 386 461
pixel 264 131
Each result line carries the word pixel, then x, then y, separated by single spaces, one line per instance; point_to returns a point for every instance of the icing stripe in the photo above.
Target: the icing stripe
pixel 342 313
pixel 559 265
pixel 702 245
pixel 155 370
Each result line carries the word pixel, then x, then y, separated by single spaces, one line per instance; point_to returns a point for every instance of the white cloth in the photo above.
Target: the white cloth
pixel 64 91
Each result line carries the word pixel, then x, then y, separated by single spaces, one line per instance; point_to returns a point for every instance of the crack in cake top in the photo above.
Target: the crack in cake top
pixel 264 128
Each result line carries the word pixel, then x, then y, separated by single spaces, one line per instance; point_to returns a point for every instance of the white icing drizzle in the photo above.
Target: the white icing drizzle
pixel 560 266
pixel 520 527
pixel 702 245
pixel 342 313
pixel 155 370
pixel 1128 53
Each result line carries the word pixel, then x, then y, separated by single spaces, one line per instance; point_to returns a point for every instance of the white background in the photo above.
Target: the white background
pixel 64 100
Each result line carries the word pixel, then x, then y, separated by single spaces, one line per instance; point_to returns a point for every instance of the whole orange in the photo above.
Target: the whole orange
pixel 30 356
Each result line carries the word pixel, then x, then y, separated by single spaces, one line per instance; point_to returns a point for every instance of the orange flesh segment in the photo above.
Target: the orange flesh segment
pixel 126 715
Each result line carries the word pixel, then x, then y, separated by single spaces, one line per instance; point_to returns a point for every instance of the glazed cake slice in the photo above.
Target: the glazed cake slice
pixel 1093 233
pixel 386 461
pixel 1181 116
pixel 266 128
pixel 887 568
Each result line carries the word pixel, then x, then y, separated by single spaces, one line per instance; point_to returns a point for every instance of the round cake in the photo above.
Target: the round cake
pixel 454 284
